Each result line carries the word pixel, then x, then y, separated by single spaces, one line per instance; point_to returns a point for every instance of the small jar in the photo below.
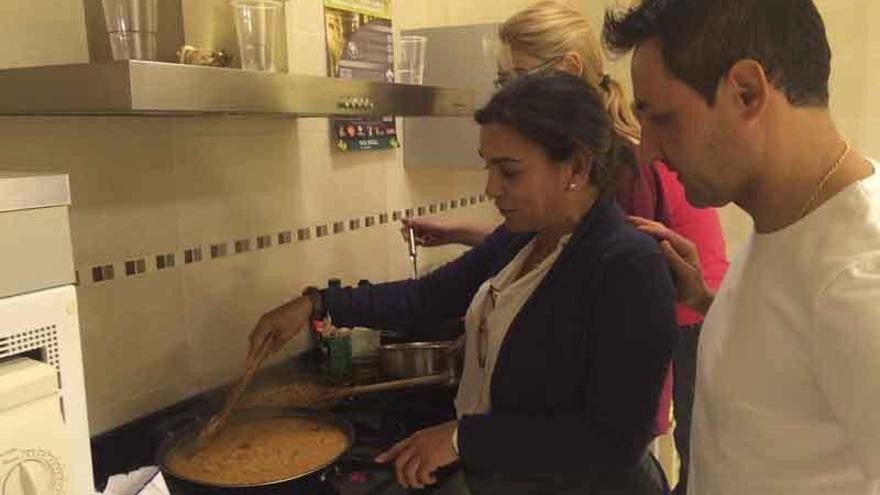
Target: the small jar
pixel 339 350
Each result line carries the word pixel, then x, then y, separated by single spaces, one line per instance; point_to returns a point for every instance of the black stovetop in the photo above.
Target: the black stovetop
pixel 379 421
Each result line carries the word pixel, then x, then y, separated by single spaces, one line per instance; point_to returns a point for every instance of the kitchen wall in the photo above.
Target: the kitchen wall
pixel 150 187
pixel 37 36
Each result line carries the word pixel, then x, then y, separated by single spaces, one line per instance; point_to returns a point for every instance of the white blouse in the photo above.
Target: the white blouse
pixel 494 306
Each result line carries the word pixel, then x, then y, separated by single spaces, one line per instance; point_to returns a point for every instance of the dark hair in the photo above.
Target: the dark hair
pixel 702 39
pixel 563 115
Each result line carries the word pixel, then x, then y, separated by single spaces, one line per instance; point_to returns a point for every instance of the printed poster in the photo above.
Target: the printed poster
pixel 359 46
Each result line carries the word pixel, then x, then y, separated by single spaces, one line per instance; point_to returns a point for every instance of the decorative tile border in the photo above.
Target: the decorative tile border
pixel 146 265
pixel 135 267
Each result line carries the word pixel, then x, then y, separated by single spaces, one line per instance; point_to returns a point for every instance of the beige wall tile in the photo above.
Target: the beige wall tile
pixel 848 79
pixel 307 54
pixel 306 16
pixel 315 125
pixel 224 298
pixel 340 185
pixel 236 177
pixel 870 138
pixel 416 14
pixel 42 36
pixel 132 340
pixel 851 129
pixel 871 14
pixel 140 403
pixel 120 176
pixel 871 89
pixel 361 254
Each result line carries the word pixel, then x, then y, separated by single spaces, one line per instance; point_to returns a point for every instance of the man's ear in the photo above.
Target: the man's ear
pixel 746 87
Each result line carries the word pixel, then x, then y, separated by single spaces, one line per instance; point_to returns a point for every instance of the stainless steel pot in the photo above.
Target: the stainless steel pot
pixel 418 359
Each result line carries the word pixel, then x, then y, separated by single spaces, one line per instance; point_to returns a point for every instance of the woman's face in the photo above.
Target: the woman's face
pixel 527 187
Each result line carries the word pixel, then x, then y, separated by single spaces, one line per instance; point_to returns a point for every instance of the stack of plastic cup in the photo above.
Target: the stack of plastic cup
pixel 411 60
pixel 256 22
pixel 132 26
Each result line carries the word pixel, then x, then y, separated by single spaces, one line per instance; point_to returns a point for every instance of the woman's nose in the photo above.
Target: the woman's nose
pixel 493 185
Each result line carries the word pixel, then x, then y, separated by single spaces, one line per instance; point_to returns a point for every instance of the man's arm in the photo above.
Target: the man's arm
pixel 846 357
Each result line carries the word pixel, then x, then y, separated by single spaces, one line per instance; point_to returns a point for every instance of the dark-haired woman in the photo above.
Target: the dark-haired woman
pixel 569 312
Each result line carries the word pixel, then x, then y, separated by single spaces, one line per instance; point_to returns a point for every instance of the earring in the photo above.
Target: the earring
pixel 571 186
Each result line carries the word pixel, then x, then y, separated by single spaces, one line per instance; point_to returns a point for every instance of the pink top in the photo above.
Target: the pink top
pixel 702 227
pixel 640 194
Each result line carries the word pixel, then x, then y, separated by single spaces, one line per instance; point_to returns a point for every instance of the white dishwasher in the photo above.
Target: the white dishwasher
pixel 44 431
pixel 33 446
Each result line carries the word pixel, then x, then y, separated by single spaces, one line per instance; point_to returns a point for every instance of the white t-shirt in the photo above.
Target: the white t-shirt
pixel 788 386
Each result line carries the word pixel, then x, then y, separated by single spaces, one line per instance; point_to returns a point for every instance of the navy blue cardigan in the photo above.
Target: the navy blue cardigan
pixel 578 379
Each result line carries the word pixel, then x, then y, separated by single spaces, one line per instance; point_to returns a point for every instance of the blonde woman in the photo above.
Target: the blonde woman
pixel 552 34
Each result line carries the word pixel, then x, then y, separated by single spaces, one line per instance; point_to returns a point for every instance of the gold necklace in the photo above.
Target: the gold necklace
pixel 825 178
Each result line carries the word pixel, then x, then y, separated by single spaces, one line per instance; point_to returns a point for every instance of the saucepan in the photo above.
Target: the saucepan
pixel 420 359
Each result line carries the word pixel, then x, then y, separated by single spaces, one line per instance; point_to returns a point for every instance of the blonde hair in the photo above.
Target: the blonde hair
pixel 549 30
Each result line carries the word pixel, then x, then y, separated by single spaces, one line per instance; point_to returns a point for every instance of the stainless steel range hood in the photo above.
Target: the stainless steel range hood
pixel 150 88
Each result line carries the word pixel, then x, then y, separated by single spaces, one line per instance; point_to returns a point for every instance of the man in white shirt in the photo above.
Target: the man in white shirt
pixel 733 95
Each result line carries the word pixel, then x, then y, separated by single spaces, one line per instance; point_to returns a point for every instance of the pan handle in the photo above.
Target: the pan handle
pixel 385 386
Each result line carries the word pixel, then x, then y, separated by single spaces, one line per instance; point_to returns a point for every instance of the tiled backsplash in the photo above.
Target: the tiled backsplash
pixel 186 230
pixel 152 263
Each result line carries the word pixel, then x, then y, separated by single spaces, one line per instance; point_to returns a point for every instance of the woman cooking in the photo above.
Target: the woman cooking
pixel 569 312
pixel 553 33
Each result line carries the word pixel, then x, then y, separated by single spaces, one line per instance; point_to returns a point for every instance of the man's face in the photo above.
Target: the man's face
pixel 681 129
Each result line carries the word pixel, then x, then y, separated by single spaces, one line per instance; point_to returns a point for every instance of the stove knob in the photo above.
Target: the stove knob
pixel 359 478
pixel 30 477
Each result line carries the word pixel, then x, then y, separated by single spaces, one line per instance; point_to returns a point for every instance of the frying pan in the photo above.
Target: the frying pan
pixel 295 483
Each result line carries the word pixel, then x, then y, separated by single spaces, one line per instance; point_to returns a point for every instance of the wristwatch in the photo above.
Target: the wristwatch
pixel 319 312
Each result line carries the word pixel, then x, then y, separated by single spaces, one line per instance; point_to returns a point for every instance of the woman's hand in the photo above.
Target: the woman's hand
pixel 419 456
pixel 281 324
pixel 690 286
pixel 432 232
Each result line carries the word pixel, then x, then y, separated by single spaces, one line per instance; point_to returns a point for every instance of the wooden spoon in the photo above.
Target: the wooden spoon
pixel 218 421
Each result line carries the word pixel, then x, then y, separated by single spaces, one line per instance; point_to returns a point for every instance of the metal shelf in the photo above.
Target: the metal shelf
pixel 155 88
